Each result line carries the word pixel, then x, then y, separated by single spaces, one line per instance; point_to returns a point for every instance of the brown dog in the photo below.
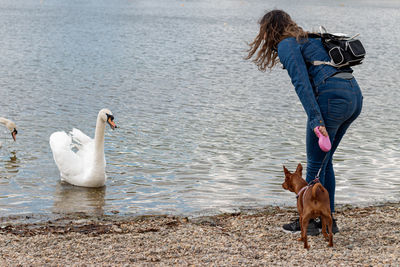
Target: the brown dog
pixel 312 202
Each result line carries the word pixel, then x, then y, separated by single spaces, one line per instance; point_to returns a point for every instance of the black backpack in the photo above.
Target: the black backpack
pixel 343 50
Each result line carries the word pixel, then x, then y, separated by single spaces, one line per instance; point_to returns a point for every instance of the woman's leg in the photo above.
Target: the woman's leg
pixel 329 178
pixel 329 174
pixel 315 158
pixel 339 108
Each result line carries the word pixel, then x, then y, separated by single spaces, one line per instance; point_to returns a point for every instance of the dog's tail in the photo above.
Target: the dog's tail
pixel 317 188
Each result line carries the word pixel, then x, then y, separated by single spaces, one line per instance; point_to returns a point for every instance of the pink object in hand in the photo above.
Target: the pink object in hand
pixel 324 142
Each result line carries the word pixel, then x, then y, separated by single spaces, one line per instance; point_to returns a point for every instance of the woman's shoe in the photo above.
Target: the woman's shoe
pixel 294 227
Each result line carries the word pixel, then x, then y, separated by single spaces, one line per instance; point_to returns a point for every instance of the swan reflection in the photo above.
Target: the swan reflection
pixel 69 199
pixel 12 165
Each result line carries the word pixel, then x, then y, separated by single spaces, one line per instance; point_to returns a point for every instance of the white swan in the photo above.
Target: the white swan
pixel 10 126
pixel 86 167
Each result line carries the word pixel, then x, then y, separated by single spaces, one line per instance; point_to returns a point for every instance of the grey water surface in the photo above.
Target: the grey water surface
pixel 202 131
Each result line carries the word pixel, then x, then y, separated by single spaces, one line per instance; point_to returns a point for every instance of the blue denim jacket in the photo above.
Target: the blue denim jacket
pixel 296 57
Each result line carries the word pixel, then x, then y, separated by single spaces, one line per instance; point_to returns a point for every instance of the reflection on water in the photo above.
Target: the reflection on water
pixel 69 199
pixel 12 165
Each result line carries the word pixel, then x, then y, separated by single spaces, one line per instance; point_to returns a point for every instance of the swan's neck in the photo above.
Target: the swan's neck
pixel 99 141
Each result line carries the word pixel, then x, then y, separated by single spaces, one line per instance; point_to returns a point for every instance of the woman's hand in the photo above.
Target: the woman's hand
pixel 322 130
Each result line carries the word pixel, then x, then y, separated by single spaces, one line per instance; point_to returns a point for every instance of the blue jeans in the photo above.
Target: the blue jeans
pixel 340 101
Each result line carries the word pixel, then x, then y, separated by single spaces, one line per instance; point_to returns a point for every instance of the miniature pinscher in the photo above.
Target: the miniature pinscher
pixel 312 202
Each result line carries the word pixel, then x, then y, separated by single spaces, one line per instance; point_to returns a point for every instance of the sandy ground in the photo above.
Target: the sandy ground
pixel 368 236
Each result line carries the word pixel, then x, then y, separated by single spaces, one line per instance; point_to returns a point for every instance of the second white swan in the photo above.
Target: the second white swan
pixel 86 167
pixel 10 125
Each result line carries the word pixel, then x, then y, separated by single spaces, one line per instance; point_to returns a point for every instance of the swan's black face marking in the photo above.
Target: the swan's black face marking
pixel 110 117
pixel 110 120
pixel 14 133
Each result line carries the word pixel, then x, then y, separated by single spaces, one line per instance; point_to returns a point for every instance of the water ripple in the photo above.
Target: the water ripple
pixel 201 130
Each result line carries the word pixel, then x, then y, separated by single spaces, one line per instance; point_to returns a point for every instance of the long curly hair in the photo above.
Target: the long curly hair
pixel 275 26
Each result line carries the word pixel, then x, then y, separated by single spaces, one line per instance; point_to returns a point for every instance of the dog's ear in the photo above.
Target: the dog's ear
pixel 299 169
pixel 286 171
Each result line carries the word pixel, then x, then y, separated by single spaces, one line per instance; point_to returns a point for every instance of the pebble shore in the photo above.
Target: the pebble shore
pixel 369 236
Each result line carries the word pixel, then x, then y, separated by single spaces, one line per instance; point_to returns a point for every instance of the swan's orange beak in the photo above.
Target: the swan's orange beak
pixel 14 134
pixel 111 123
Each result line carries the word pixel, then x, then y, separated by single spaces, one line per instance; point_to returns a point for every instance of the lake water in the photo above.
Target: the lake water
pixel 202 131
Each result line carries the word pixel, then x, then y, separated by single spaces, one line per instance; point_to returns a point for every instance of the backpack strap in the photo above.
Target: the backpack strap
pixel 313 35
pixel 318 62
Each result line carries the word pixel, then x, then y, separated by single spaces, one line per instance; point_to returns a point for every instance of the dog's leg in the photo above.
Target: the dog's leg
pixel 304 227
pixel 301 228
pixel 323 221
pixel 330 222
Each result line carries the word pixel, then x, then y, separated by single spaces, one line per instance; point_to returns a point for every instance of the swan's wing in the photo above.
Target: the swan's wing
pixel 79 137
pixel 84 144
pixel 67 161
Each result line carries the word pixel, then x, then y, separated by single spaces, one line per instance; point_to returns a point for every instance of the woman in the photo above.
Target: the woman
pixel 330 96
